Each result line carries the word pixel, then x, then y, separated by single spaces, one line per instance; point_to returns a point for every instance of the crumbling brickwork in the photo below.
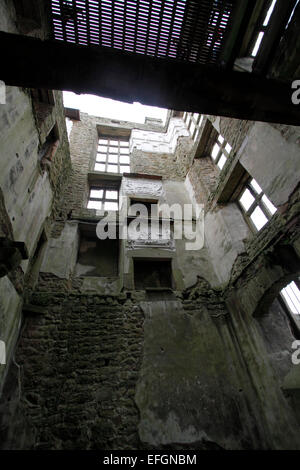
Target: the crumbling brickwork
pixel 136 344
pixel 203 176
pixel 169 166
pixel 99 370
pixel 80 359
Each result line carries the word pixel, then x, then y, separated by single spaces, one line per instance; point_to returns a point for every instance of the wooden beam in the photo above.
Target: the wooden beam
pixel 33 63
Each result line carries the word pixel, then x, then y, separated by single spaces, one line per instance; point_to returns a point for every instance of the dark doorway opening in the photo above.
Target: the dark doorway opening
pixel 151 273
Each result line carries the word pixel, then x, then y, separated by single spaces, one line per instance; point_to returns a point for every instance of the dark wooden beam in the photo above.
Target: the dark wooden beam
pixel 33 63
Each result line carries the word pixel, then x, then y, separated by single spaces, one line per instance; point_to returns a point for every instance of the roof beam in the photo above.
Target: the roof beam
pixel 33 63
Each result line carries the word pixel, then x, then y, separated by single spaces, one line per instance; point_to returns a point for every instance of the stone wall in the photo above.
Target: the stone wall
pixel 278 171
pixel 126 372
pixel 29 192
pixel 203 177
pixel 83 147
pixel 101 365
pixel 270 154
pixel 13 21
pixel 164 154
pixel 29 196
pixel 203 174
pixel 79 360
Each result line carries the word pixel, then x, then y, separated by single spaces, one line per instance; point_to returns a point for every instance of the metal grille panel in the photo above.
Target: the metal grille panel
pixel 186 30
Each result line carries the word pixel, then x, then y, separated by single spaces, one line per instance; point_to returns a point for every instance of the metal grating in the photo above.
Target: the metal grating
pixel 186 30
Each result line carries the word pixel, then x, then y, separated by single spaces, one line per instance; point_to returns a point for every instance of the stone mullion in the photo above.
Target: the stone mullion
pixel 255 203
pixel 219 152
pixel 101 199
pixel 264 208
pixel 107 155
pixel 119 151
pixel 258 203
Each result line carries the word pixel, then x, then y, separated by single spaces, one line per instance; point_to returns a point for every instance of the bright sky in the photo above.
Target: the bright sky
pixel 105 107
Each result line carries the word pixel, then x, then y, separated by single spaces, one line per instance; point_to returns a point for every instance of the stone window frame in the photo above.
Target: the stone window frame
pixel 290 309
pixel 285 293
pixel 222 152
pixel 193 120
pixel 283 298
pixel 103 198
pixel 260 201
pixel 103 156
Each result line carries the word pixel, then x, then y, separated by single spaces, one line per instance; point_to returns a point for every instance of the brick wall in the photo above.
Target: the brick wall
pixel 80 360
pixel 203 176
pixel 168 165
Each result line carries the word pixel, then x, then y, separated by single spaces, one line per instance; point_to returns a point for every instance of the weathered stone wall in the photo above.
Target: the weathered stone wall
pixel 28 192
pixel 165 154
pixel 180 403
pixel 278 337
pixel 225 227
pixel 129 371
pixel 60 166
pixel 159 142
pixel 225 235
pixel 79 360
pixel 191 369
pixel 270 154
pixel 156 164
pixel 12 22
pixel 278 171
pixel 29 195
pixel 233 130
pixel 124 372
pixel 83 144
pixel 203 176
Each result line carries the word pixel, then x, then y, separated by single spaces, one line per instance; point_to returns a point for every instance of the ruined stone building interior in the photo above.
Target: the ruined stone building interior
pixel 150 343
